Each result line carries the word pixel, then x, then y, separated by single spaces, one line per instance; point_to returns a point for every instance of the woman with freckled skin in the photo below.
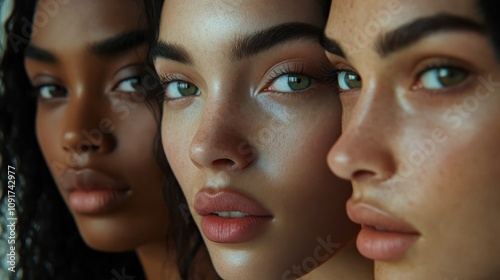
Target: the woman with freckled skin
pixel 420 138
pixel 96 135
pixel 249 110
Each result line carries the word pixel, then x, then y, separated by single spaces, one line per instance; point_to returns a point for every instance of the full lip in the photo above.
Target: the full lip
pixel 228 216
pixel 368 215
pixel 89 180
pixel 88 191
pixel 383 236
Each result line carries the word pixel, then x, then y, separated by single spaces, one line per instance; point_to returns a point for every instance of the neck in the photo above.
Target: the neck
pixel 156 262
pixel 348 264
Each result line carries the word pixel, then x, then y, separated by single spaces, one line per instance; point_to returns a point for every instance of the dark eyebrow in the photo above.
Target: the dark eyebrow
pixel 331 46
pixel 249 45
pixel 36 53
pixel 415 31
pixel 171 52
pixel 119 43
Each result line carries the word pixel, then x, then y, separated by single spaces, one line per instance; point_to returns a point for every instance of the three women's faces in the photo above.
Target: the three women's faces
pixel 419 88
pixel 94 129
pixel 250 111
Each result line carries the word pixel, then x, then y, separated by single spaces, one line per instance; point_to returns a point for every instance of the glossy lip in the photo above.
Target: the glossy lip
pixel 88 191
pixel 230 230
pixel 383 237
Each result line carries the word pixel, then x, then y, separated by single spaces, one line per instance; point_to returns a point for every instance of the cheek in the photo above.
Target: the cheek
pixel 47 133
pixel 176 144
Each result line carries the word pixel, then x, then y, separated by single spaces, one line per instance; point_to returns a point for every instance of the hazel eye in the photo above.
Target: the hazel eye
pixel 291 82
pixel 51 91
pixel 179 89
pixel 348 80
pixel 128 85
pixel 442 77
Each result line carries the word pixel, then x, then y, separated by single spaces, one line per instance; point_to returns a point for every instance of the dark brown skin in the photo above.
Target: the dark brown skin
pixel 95 93
pixel 435 163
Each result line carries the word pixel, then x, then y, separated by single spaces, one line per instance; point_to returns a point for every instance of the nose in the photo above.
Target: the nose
pixel 86 126
pixel 365 150
pixel 220 143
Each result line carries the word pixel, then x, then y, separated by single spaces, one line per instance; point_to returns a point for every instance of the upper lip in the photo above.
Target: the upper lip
pixel 88 180
pixel 368 215
pixel 208 201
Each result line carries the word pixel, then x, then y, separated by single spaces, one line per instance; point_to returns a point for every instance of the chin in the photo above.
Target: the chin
pixel 110 236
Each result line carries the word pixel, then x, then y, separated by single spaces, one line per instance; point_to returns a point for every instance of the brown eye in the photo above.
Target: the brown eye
pixel 348 80
pixel 51 91
pixel 442 77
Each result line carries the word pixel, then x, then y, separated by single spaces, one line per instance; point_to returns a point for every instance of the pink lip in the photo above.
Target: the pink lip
pixel 91 192
pixel 391 243
pixel 230 230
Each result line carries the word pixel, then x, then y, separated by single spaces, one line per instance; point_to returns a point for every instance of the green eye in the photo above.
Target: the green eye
pixel 291 82
pixel 298 82
pixel 443 77
pixel 178 89
pixel 349 80
pixel 186 89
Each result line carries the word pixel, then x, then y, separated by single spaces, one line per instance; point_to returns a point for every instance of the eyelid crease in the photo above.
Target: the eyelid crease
pixel 138 77
pixel 325 75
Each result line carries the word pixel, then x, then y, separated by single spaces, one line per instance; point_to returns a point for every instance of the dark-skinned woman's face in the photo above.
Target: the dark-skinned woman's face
pixel 84 60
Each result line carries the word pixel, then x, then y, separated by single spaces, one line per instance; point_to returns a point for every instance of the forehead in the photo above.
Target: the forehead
pixel 79 21
pixel 212 22
pixel 367 18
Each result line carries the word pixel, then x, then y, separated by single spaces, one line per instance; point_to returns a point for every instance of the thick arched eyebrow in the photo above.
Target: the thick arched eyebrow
pixel 120 43
pixel 170 51
pixel 411 33
pixel 332 46
pixel 248 45
pixel 245 46
pixel 108 47
pixel 39 54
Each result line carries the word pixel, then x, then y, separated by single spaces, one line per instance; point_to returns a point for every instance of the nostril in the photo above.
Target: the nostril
pixel 82 148
pixel 224 162
pixel 89 148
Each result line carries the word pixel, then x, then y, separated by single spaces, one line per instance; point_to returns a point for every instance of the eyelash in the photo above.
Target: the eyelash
pixel 327 75
pixel 165 80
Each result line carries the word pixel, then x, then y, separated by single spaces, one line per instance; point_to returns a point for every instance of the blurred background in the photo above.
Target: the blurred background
pixel 5 8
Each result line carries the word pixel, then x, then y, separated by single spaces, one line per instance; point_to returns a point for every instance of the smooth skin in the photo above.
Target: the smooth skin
pixel 421 131
pixel 89 115
pixel 234 123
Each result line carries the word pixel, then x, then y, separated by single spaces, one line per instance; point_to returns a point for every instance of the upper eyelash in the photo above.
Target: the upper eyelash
pixel 35 92
pixel 328 73
pixel 164 80
pixel 433 66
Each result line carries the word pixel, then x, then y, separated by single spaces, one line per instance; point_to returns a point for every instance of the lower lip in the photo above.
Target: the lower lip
pixel 383 245
pixel 233 230
pixel 95 201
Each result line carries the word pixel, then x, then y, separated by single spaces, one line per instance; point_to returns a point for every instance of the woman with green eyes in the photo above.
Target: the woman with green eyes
pixel 249 111
pixel 421 135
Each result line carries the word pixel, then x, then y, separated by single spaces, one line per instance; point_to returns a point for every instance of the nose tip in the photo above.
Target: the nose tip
pixel 85 142
pixel 225 153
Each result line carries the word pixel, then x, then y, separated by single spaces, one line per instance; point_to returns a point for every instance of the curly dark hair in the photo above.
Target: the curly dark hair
pixel 48 243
